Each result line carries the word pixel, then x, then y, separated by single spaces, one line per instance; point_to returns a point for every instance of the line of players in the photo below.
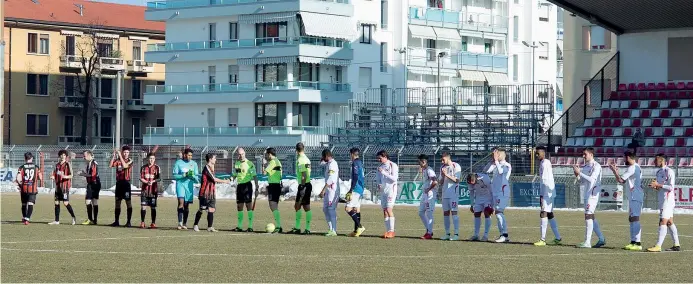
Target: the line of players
pixel 489 195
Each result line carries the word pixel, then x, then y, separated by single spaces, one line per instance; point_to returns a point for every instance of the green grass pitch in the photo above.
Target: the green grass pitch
pixel 65 253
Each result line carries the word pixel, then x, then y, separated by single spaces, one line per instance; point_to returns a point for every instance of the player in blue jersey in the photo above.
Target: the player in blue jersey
pixel 353 197
pixel 185 174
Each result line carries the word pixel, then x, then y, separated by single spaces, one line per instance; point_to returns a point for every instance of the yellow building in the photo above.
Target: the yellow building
pixel 50 42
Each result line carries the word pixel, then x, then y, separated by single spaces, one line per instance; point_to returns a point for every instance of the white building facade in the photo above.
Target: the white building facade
pixel 275 72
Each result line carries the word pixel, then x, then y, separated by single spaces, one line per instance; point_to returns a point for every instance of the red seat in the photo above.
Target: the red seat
pixel 652 95
pixel 680 142
pixel 681 151
pixel 561 151
pixel 605 113
pixel 674 104
pixel 622 87
pixel 634 105
pixel 606 123
pixel 661 96
pixel 654 104
pixel 690 153
pixel 668 132
pixel 689 132
pixel 645 113
pixel 598 142
pixel 588 132
pixel 633 96
pixel 657 122
pixel 597 123
pixel 609 132
pixel 599 151
pixel 661 86
pixel 670 152
pixel 625 113
pixel 659 142
pixel 689 86
pixel 642 96
pixel 650 151
pixel 570 150
pixel 610 151
pixel 650 86
pixel 683 162
pixel 636 123
pixel 672 95
pixel 671 86
pixel 613 96
pixel 631 87
pixel 682 95
pixel 641 86
pixel 616 123
pixel 649 132
pixel 677 122
pixel 598 132
pixel 615 114
pixel 680 85
pixel 628 132
pixel 665 113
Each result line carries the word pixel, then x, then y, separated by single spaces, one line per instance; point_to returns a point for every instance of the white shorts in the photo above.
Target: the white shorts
pixel 387 200
pixel 547 204
pixel 480 206
pixel 634 208
pixel 450 204
pixel 667 212
pixel 428 202
pixel 355 201
pixel 591 205
pixel 501 203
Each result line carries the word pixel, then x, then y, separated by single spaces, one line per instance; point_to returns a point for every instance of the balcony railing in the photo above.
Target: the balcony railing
pixel 244 43
pixel 243 87
pixel 229 131
pixel 69 139
pixel 174 4
pixel 428 57
pixel 71 61
pixel 140 66
pixel 138 105
pixel 461 19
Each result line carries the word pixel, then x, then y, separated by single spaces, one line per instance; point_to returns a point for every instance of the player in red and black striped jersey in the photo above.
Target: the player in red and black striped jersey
pixel 208 193
pixel 93 188
pixel 150 176
pixel 62 175
pixel 123 164
pixel 28 177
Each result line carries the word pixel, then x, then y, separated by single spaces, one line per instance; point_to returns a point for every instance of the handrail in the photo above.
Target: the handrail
pixel 243 43
pixel 244 87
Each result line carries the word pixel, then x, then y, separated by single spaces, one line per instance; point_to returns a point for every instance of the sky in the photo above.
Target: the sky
pixel 131 2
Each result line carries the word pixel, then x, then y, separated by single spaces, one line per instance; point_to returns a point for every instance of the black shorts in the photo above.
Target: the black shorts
pixel 304 194
pixel 123 190
pixel 205 203
pixel 244 193
pixel 273 192
pixel 93 190
pixel 28 197
pixel 148 201
pixel 61 195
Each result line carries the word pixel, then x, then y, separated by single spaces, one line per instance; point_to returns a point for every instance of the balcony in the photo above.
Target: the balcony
pixel 428 57
pixel 458 20
pixel 69 140
pixel 106 103
pixel 283 91
pixel 138 105
pixel 249 48
pixel 140 66
pixel 112 64
pixel 71 62
pixel 246 136
pixel 70 102
pixel 189 9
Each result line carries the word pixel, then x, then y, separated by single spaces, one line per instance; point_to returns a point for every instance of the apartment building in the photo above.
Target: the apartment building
pixel 274 72
pixel 46 41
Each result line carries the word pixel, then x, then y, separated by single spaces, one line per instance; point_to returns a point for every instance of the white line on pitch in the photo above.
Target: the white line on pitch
pixel 201 235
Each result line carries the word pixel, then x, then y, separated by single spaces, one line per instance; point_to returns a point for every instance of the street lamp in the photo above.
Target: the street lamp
pixel 440 57
pixel 533 46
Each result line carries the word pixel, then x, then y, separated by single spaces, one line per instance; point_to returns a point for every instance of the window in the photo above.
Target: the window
pixel 137 50
pixel 366 33
pixel 464 43
pixel 305 72
pixel 106 88
pixel 488 46
pixel 365 77
pixel 70 45
pixel 212 80
pixel 32 45
pixel 44 44
pixel 233 31
pixel 37 84
pixel 544 12
pixel 516 28
pixel 383 57
pixel 137 129
pixel 270 114
pixel 516 68
pixel 383 14
pixel 104 47
pixel 69 127
pixel 543 50
pixel 106 127
pixel 233 117
pixel 233 73
pixel 211 117
pixel 271 32
pixel 69 86
pixel 212 31
pixel 37 124
pixel 271 72
pixel 305 114
pixel 159 122
pixel 595 38
pixel 137 90
pixel 435 4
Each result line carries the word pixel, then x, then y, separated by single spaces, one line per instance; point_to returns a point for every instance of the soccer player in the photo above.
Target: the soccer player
pixel 353 197
pixel 429 196
pixel 500 185
pixel 386 177
pixel 93 188
pixel 547 188
pixel 123 164
pixel 480 191
pixel 185 173
pixel 304 190
pixel 330 192
pixel 591 184
pixel 664 185
pixel 450 175
pixel 244 173
pixel 150 176
pixel 208 193
pixel 273 170
pixel 63 181
pixel 28 177
pixel 632 178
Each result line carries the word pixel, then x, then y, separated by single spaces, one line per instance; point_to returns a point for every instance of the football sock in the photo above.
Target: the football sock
pixel 554 228
pixel 589 227
pixel 180 215
pixel 299 215
pixel 477 225
pixel 198 216
pixel 424 219
pixel 487 226
pixel 129 214
pixel 143 213
pixel 309 219
pixel 637 230
pixel 69 210
pixel 90 208
pixel 96 213
pixel 153 215
pixel 542 227
pixel 456 223
pixel 277 219
pixel 392 224
pixel 446 222
pixel 57 213
pixel 387 224
pixel 240 218
pixel 23 211
pixel 662 234
pixel 598 231
pixel 674 234
pixel 29 210
pixel 210 219
pixel 251 216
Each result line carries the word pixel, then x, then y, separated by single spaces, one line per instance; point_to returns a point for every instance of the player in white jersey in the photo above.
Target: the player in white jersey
pixel 482 201
pixel 501 191
pixel 450 175
pixel 428 197
pixel 386 177
pixel 548 193
pixel 632 178
pixel 330 192
pixel 667 201
pixel 591 184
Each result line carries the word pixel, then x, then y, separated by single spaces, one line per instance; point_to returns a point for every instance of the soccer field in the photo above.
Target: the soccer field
pixel 65 253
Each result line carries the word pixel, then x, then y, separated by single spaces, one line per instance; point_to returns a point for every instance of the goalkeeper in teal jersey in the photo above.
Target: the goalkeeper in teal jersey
pixel 185 174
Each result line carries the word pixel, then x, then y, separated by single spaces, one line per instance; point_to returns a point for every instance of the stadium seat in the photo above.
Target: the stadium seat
pixel 689 85
pixel 570 161
pixel 657 123
pixel 665 113
pixel 625 113
pixel 645 113
pixel 597 123
pixel 609 132
pixel 620 162
pixel 661 95
pixel 598 132
pixel 683 162
pixel 628 132
pixel 623 87
pixel 650 151
pixel 659 142
pixel 641 86
pixel 650 86
pixel 671 162
pixel 682 95
pixel 649 132
pixel 677 122
pixel 650 162
pixel 588 132
pixel 680 142
pixel 652 95
pixel 653 104
pixel 613 95
pixel 606 123
pixel 642 161
pixel 680 85
pixel 670 152
pixel 610 161
pixel 610 151
pixel 634 105
pixel 617 123
pixel 681 151
pixel 599 142
pixel 605 113
pixel 689 132
pixel 616 113
pixel 636 123
pixel 561 161
pixel 668 132
pixel 671 85
pixel 661 86
pixel 631 87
